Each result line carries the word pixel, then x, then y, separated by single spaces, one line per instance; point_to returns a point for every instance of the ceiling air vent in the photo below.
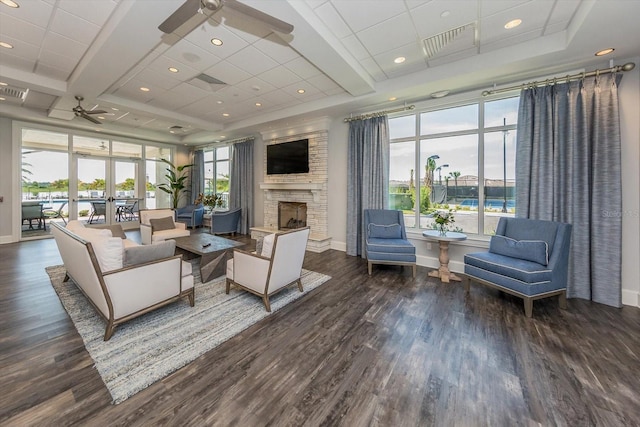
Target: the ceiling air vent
pixel 208 79
pixel 14 92
pixel 435 44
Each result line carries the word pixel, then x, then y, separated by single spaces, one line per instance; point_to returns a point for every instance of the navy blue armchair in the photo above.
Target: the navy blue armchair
pixel 191 215
pixel 225 222
pixel 527 258
pixel 386 239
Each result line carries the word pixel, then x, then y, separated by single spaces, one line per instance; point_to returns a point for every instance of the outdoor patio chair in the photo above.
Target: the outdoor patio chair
pixel 98 209
pixel 55 213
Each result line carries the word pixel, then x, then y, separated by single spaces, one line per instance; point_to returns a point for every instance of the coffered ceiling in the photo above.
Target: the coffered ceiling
pixel 341 57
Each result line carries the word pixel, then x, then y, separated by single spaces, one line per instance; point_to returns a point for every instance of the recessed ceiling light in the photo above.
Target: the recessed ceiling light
pixel 258 104
pixel 225 114
pixel 605 51
pixel 6 45
pixel 216 42
pixel 10 3
pixel 101 118
pixel 399 59
pixel 301 91
pixel 393 98
pixel 2 99
pixel 512 24
pixel 445 14
pixel 3 84
pixel 222 136
pixel 173 69
pixel 219 102
pixel 114 109
pixel 145 89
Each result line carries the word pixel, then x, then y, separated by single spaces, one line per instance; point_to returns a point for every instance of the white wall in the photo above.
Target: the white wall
pixel 629 94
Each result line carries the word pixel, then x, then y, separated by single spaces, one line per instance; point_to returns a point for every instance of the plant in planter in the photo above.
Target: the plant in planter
pixel 175 185
pixel 210 200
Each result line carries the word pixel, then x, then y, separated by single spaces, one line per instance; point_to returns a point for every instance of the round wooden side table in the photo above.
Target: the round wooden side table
pixel 443 272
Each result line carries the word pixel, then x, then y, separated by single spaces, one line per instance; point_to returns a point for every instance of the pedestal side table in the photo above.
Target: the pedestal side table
pixel 443 272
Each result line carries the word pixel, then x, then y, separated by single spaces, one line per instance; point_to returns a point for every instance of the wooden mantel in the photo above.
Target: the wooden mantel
pixel 313 187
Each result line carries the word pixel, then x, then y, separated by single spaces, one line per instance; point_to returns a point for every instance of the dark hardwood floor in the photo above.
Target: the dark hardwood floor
pixel 384 350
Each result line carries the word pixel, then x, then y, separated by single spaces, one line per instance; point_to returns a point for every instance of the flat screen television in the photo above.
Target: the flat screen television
pixel 288 157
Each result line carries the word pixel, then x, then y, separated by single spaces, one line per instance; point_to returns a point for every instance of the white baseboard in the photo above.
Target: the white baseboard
pixel 6 239
pixel 339 246
pixel 631 298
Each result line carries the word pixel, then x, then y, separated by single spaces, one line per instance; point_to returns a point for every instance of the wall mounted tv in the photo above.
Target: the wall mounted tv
pixel 288 157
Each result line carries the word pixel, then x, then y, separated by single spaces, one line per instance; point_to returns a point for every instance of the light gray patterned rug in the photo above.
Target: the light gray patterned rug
pixel 150 347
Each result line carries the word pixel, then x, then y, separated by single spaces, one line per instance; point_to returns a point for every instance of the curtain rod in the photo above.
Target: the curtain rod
pixel 379 113
pixel 626 67
pixel 213 144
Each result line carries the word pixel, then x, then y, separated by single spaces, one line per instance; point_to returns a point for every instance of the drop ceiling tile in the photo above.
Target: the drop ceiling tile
pixel 32 11
pixel 276 49
pixel 251 84
pixel 164 80
pixel 456 56
pixel 332 19
pixel 504 42
pixel 94 11
pixel 428 21
pixel 231 94
pixel 491 7
pixel 360 15
pixel 280 77
pixel 252 61
pixel 228 73
pixel 162 64
pixel 246 28
pixel 309 90
pixel 323 82
pixel 534 15
pixel 278 97
pixel 414 59
pixel 302 68
pixel 60 62
pixel 202 36
pixel 39 100
pixel 355 48
pixel 336 91
pixel 412 4
pixel 62 45
pixel 21 30
pixel 204 106
pixel 191 55
pixel 75 28
pixel 373 69
pixel 385 36
pixel 315 3
pixel 20 49
pixel 131 90
pixel 52 72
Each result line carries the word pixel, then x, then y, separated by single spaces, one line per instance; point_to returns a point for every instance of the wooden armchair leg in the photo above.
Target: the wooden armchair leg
pixel 467 284
pixel 192 297
pixel 109 331
pixel 267 305
pixel 228 286
pixel 528 307
pixel 562 300
pixel 300 285
pixel 369 268
pixel 414 270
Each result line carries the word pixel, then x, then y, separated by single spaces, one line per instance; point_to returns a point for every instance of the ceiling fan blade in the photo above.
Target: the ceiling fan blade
pixel 95 112
pixel 272 22
pixel 91 119
pixel 180 16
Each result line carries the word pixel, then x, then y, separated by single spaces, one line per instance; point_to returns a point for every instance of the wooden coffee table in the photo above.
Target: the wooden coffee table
pixel 212 250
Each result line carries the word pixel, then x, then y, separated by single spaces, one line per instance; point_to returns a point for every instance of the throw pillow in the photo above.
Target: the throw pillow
pixel 530 250
pixel 161 224
pixel 108 249
pixel 147 253
pixel 116 230
pixel 392 231
pixel 267 245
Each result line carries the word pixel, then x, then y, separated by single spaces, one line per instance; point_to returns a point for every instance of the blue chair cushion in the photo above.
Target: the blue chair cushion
pixel 530 250
pixel 381 231
pixel 520 269
pixel 395 246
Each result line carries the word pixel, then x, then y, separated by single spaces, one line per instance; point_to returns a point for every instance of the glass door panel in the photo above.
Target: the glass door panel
pixel 127 200
pixel 91 198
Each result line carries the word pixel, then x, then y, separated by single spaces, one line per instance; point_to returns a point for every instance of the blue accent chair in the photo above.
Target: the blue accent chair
pixel 386 239
pixel 191 215
pixel 225 222
pixel 527 258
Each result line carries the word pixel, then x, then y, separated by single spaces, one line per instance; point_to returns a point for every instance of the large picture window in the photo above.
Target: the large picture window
pixel 459 159
pixel 216 174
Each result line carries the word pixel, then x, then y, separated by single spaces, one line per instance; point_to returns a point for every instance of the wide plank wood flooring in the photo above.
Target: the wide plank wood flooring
pixel 380 350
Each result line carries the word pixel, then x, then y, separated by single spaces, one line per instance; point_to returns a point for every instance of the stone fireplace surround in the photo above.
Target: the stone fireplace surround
pixel 309 188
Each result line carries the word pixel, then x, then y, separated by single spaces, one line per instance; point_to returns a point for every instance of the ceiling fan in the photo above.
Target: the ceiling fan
pixel 192 7
pixel 81 112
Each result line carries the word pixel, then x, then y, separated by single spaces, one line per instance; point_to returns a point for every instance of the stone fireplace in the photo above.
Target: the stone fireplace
pixel 292 215
pixel 303 195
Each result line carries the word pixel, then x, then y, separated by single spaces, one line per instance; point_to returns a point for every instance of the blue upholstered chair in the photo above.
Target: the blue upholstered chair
pixel 386 239
pixel 191 215
pixel 527 258
pixel 225 222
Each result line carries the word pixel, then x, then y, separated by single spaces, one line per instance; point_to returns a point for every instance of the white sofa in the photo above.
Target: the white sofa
pixel 149 235
pixel 278 265
pixel 120 278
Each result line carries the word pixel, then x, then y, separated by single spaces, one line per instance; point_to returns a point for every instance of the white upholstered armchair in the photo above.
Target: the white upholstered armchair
pixel 276 267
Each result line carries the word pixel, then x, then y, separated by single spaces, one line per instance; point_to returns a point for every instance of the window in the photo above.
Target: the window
pixel 460 159
pixel 155 171
pixel 216 173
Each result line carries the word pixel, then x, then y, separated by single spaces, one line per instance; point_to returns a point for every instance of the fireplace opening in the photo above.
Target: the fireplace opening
pixel 292 215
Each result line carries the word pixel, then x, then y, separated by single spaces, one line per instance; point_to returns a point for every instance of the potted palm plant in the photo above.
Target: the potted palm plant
pixel 175 184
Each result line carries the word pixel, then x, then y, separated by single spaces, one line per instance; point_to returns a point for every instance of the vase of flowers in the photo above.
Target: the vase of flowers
pixel 442 221
pixel 210 200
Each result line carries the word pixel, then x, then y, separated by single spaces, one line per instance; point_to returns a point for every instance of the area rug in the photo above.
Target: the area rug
pixel 150 347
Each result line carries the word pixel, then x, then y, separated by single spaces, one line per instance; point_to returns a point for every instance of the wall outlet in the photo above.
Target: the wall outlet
pixel 429 246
